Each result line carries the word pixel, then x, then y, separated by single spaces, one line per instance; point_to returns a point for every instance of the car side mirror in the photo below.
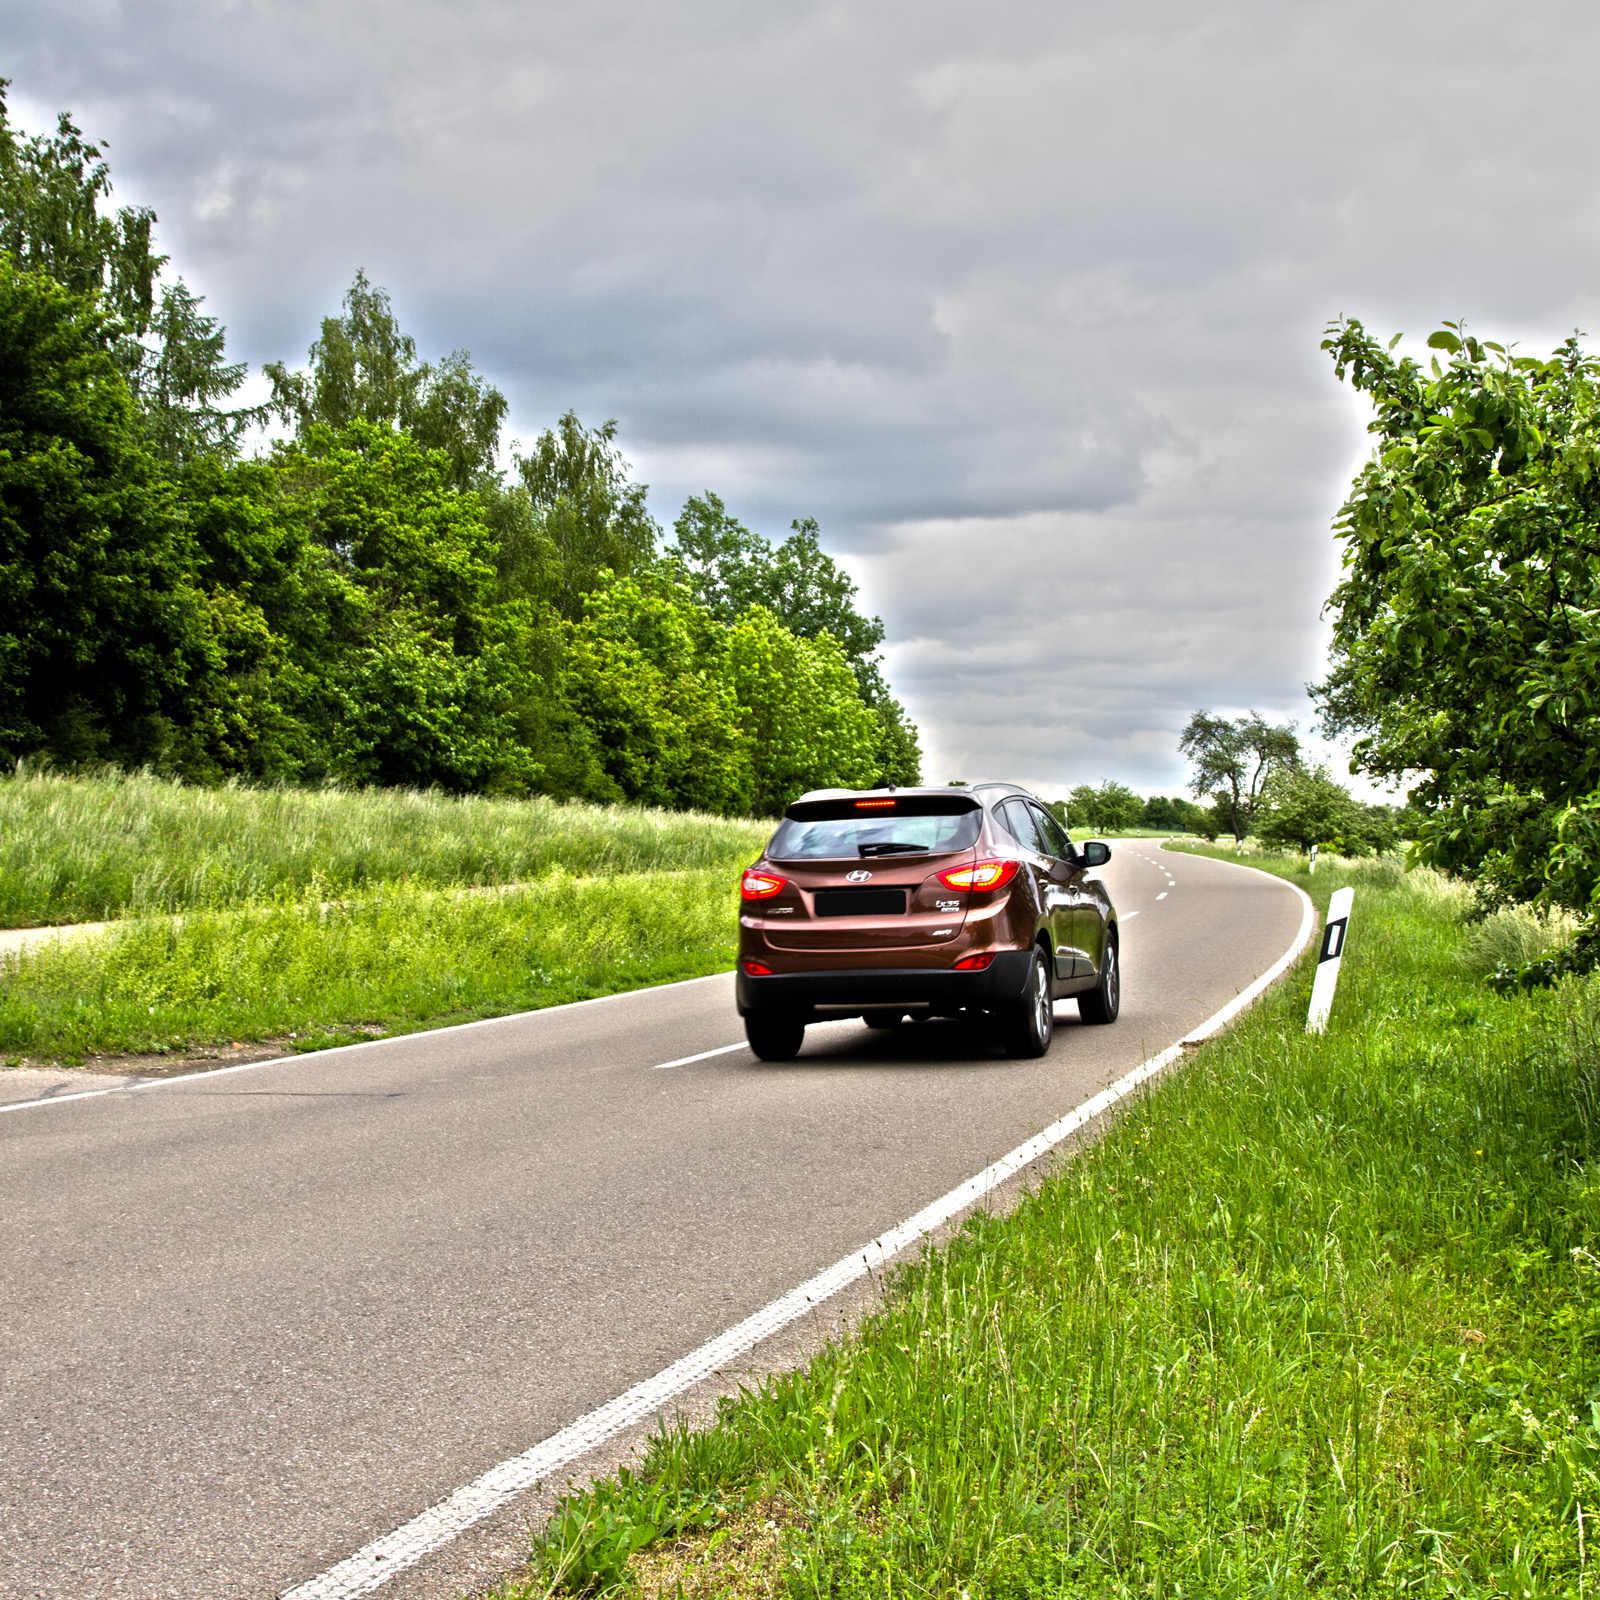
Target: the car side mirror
pixel 1096 854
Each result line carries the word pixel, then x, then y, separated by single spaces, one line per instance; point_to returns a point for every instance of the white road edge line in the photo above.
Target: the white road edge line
pixel 141 1084
pixel 379 1561
pixel 705 1055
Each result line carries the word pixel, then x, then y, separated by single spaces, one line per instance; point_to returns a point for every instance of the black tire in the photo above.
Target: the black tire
pixel 1027 1027
pixel 1104 1001
pixel 883 1019
pixel 774 1036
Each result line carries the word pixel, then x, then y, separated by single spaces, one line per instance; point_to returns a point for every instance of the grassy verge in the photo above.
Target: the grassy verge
pixel 1316 1316
pixel 83 849
pixel 404 959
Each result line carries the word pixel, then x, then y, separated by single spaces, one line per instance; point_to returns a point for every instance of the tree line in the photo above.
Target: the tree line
pixel 1258 784
pixel 374 599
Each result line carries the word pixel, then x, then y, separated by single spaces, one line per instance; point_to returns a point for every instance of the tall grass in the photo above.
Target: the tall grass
pixel 76 849
pixel 1318 1315
pixel 404 959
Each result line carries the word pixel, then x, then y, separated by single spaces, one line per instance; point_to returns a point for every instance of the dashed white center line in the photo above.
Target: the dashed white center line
pixel 705 1055
pixel 1162 895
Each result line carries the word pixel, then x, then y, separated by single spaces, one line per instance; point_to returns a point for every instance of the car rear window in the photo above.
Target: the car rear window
pixel 846 830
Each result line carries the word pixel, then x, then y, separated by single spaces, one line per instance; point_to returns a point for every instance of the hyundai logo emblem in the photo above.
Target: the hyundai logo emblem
pixel 857 876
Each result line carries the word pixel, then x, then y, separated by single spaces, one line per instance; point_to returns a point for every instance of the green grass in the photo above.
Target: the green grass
pixel 403 959
pixel 1135 833
pixel 75 849
pixel 1317 1316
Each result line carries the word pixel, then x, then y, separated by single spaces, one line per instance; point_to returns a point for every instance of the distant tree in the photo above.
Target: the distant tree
pixel 182 378
pixel 1233 761
pixel 1118 807
pixel 1178 814
pixel 1081 807
pixel 897 758
pixel 731 569
pixel 802 709
pixel 56 218
pixel 1375 830
pixel 1111 808
pixel 409 663
pixel 362 368
pixel 584 514
pixel 646 668
pixel 105 630
pixel 1302 806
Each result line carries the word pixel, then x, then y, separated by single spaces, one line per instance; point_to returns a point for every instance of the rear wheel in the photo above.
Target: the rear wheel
pixel 1102 1002
pixel 775 1036
pixel 1026 1028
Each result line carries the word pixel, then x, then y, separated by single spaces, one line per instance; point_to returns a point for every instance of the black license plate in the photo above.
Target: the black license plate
pixel 860 902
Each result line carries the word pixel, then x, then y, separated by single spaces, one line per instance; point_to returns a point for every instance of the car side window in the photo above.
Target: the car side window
pixel 1018 822
pixel 1055 839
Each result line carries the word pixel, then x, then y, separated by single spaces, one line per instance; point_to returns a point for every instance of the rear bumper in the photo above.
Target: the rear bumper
pixel 863 988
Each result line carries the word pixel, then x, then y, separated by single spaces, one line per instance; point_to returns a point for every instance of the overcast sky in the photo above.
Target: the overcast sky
pixel 1022 301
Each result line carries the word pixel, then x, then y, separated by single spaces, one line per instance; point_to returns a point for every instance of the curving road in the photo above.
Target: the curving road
pixel 252 1320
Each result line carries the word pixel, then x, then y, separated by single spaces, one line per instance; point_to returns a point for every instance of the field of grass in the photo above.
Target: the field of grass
pixel 385 963
pixel 1133 833
pixel 1317 1316
pixel 76 849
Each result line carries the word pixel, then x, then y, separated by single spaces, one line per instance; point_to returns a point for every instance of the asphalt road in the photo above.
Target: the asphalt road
pixel 251 1321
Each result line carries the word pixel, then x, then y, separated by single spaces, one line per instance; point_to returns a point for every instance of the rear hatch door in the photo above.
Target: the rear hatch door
pixel 866 871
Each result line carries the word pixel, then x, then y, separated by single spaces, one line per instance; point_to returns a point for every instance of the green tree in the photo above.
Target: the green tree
pixel 584 516
pixel 1466 648
pixel 362 368
pixel 105 631
pixel 646 669
pixel 731 569
pixel 57 218
pixel 1303 806
pixel 802 709
pixel 1178 814
pixel 411 663
pixel 1111 808
pixel 1374 830
pixel 1234 760
pixel 182 377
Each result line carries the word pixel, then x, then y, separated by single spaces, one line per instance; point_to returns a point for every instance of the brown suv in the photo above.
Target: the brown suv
pixel 890 903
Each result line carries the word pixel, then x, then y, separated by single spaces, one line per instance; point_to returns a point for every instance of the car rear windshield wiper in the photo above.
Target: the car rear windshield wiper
pixel 892 848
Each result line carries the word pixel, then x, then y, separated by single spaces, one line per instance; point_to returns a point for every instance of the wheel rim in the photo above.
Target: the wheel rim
pixel 1113 978
pixel 1043 1007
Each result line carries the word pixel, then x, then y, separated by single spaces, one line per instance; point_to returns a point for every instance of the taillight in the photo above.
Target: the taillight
pixel 761 885
pixel 980 875
pixel 757 969
pixel 974 963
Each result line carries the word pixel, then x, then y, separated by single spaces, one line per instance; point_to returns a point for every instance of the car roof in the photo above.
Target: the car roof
pixel 991 790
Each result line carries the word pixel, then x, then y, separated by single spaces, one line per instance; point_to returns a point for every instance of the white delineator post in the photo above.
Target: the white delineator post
pixel 1334 932
pixel 1312 867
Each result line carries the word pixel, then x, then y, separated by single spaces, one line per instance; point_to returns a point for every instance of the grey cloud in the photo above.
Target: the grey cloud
pixel 1022 301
